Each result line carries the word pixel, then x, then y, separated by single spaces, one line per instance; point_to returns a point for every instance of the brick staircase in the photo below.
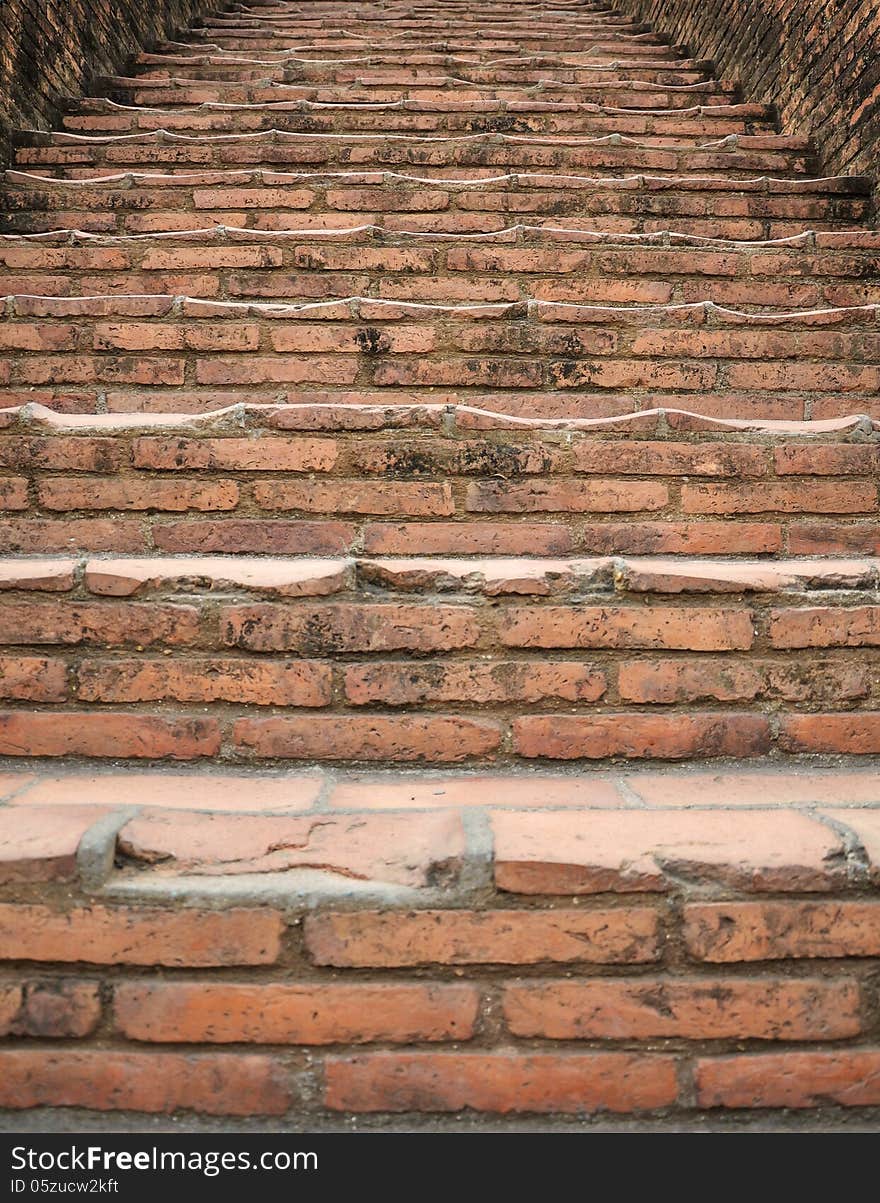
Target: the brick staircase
pixel 415 418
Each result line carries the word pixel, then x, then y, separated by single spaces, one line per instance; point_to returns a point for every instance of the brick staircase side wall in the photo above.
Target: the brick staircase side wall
pixel 52 49
pixel 818 62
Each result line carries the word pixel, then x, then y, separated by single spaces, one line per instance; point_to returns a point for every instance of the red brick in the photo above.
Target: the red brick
pixel 156 1082
pixel 343 627
pixel 277 369
pixel 500 1082
pixel 850 1077
pixel 661 736
pixel 855 733
pixel 356 497
pixel 681 538
pixel 86 733
pixel 572 496
pixel 33 679
pixel 91 494
pixel 644 458
pixel 471 538
pixel 826 626
pixel 37 336
pixel 390 939
pixel 835 459
pixel 771 931
pixel 108 623
pixel 63 453
pixel 263 454
pixel 291 683
pixel 430 739
pixel 787 497
pixel 175 336
pixel 692 628
pixel 129 935
pixel 53 1008
pixel 278 1013
pixel 589 852
pixel 34 535
pixel 669 681
pixel 834 539
pixel 14 493
pixel 415 683
pixel 648 1008
pixel 247 535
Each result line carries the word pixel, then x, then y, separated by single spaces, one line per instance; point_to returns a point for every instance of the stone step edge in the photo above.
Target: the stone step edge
pixel 234 419
pixel 834 184
pixel 446 854
pixel 855 238
pixel 730 142
pixel 103 104
pixel 111 575
pixel 356 308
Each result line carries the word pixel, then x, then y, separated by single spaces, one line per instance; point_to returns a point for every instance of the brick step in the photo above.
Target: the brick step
pixel 450 157
pixel 787 366
pixel 695 122
pixel 435 480
pixel 473 41
pixel 465 660
pixel 457 95
pixel 383 86
pixel 755 208
pixel 822 270
pixel 492 944
pixel 417 70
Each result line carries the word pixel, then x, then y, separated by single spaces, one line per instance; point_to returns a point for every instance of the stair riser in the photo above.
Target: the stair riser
pixel 670 357
pixel 448 271
pixel 406 491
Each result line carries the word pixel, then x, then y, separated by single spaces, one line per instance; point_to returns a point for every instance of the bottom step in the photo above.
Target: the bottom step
pixel 674 943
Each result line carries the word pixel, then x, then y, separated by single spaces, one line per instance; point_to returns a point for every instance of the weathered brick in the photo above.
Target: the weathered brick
pixel 356 497
pixel 692 628
pixel 103 1080
pixel 850 1077
pixel 343 627
pixel 96 494
pixel 265 454
pixel 52 1008
pixel 418 738
pixel 662 737
pixel 697 1009
pixel 108 623
pixel 87 733
pixel 826 626
pixel 500 1082
pixel 296 683
pixel 272 1013
pixel 770 931
pixel 390 939
pixel 131 935
pixel 416 683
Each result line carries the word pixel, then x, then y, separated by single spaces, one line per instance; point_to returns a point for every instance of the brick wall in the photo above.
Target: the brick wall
pixel 52 48
pixel 817 60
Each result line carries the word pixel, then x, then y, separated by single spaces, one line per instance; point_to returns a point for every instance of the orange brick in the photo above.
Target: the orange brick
pixel 131 935
pixel 389 939
pixel 765 931
pixel 213 1084
pixel 696 1009
pixel 325 1013
pixel 500 1082
pixel 695 629
pixel 850 1077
